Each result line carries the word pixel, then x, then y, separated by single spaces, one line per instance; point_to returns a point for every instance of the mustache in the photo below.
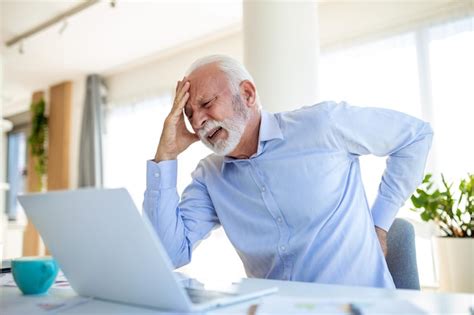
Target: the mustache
pixel 210 124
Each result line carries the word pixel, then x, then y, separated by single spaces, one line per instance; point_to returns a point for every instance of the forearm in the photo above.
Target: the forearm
pixel 404 172
pixel 160 205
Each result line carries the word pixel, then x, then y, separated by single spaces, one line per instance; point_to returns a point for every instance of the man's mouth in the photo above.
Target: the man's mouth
pixel 213 133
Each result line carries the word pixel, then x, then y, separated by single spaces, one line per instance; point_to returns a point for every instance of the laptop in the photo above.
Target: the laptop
pixel 107 250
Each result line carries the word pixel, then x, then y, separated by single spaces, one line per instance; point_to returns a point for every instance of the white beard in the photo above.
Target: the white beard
pixel 234 126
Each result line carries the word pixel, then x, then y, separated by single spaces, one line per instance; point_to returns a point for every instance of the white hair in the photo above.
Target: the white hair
pixel 235 71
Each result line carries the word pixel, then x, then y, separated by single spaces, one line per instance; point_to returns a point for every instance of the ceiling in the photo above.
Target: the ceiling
pixel 100 38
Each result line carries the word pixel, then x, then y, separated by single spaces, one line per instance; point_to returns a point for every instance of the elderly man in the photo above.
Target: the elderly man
pixel 285 187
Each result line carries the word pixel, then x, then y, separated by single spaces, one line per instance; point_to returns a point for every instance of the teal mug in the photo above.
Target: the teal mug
pixel 34 275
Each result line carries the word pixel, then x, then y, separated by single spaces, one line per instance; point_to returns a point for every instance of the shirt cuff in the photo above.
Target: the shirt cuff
pixel 161 175
pixel 384 212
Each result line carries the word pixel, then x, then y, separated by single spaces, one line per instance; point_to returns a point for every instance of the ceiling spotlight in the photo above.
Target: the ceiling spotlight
pixel 113 3
pixel 63 27
pixel 21 51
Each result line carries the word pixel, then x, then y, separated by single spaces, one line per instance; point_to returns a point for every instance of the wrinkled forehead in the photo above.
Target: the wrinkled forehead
pixel 205 82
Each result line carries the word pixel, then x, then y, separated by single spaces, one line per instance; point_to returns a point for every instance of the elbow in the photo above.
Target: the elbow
pixel 429 129
pixel 181 260
pixel 182 257
pixel 429 133
pixel 426 134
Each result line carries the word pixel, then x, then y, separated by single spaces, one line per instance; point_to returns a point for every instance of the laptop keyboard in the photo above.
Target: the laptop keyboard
pixel 198 296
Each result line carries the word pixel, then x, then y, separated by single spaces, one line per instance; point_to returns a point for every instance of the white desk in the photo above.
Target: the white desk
pixel 434 303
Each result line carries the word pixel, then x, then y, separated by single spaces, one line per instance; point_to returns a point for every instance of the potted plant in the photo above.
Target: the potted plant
pixel 452 211
pixel 38 139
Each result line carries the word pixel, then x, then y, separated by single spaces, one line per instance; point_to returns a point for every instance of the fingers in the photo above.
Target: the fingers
pixel 179 83
pixel 181 88
pixel 182 96
pixel 182 92
pixel 179 105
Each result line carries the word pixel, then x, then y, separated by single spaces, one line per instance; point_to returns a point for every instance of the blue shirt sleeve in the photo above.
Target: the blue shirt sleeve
pixel 180 225
pixel 382 132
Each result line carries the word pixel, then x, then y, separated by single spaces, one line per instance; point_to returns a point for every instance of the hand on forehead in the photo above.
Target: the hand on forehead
pixel 205 83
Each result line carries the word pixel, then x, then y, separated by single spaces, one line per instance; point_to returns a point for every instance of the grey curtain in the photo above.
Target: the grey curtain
pixel 90 152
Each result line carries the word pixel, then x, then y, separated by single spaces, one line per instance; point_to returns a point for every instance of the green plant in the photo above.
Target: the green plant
pixel 454 215
pixel 38 137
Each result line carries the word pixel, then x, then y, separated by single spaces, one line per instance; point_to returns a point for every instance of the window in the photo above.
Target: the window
pixel 16 172
pixel 451 51
pixel 388 73
pixel 380 74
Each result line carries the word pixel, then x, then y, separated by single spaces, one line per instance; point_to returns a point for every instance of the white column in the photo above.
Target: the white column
pixel 281 49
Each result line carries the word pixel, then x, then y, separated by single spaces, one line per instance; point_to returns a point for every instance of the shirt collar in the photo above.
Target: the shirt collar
pixel 269 130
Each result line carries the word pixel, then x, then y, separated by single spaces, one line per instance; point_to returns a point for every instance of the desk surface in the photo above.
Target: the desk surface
pixel 430 302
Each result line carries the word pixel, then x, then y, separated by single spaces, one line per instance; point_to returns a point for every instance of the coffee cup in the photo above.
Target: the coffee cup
pixel 34 275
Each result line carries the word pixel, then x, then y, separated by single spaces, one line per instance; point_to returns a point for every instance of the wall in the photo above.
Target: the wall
pixel 161 74
pixel 343 22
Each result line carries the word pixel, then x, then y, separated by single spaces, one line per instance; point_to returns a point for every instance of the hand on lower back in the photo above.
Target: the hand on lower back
pixel 382 236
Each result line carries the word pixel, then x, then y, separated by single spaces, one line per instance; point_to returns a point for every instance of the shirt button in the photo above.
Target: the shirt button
pixel 157 175
pixel 283 248
pixel 279 219
pixel 264 189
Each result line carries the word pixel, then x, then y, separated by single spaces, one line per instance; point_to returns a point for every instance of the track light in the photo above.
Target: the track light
pixel 63 27
pixel 20 48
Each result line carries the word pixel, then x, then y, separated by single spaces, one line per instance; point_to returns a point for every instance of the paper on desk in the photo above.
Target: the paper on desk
pixel 6 280
pixel 44 304
pixel 388 306
pixel 333 306
pixel 39 304
pixel 303 306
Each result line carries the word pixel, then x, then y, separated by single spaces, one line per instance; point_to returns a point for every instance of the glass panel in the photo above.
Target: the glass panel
pixel 16 171
pixel 377 74
pixel 452 69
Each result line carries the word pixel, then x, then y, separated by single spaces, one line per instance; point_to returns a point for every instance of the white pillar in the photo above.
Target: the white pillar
pixel 281 51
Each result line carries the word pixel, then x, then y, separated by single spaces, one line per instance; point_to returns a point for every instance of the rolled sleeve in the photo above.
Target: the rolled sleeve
pixel 384 212
pixel 162 175
pixel 404 139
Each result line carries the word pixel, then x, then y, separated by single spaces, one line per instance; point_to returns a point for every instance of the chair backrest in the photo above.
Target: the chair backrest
pixel 401 255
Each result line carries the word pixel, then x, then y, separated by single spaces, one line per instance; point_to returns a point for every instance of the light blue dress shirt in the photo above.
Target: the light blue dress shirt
pixel 297 210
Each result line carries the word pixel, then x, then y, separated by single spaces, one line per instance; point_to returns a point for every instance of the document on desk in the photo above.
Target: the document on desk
pixel 40 305
pixel 304 306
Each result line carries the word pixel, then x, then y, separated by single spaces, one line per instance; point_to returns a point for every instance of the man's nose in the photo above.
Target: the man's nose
pixel 198 120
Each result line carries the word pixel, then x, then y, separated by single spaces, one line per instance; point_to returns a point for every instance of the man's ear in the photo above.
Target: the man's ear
pixel 248 92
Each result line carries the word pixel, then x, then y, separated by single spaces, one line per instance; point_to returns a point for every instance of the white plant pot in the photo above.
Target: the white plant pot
pixel 456 264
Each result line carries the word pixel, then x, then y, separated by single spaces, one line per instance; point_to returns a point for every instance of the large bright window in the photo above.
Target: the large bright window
pixel 451 53
pixel 394 73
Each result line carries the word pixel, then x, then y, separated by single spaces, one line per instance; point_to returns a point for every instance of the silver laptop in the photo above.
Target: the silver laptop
pixel 107 250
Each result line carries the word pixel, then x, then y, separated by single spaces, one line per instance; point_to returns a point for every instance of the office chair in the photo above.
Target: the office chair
pixel 401 255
